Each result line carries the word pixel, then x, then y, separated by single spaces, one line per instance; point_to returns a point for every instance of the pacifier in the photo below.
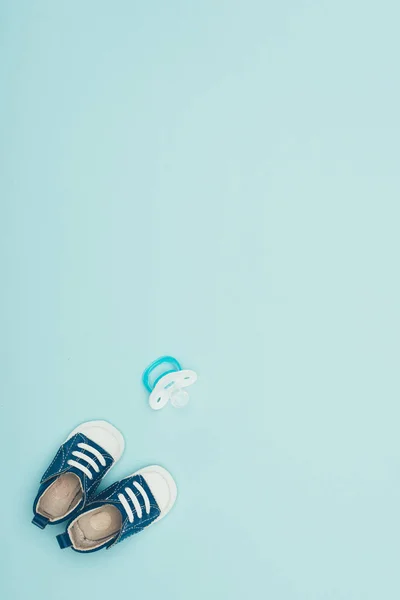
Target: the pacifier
pixel 169 385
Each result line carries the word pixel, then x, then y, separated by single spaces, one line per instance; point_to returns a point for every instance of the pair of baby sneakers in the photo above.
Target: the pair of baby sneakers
pixel 68 491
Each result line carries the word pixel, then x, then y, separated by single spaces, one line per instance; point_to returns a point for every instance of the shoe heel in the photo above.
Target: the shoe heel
pixel 64 541
pixel 40 521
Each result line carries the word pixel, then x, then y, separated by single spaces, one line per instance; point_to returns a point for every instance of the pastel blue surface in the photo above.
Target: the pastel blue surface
pixel 218 181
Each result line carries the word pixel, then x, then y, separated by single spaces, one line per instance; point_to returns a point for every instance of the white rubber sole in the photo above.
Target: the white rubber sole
pixel 104 434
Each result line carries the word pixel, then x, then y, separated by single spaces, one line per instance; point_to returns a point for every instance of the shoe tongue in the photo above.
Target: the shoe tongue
pixel 84 480
pixel 144 489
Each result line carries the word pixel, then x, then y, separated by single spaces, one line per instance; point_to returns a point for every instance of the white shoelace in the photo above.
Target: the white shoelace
pixel 88 459
pixel 129 492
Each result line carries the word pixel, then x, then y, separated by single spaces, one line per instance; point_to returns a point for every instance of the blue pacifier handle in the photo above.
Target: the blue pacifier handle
pixel 160 361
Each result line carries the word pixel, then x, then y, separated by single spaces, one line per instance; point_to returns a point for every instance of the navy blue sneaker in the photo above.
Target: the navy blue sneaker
pixel 124 508
pixel 76 471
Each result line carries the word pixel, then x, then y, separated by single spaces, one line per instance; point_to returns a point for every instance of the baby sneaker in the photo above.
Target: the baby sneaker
pixel 124 508
pixel 76 471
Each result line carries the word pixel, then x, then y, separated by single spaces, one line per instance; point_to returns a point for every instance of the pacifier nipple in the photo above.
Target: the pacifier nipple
pixel 179 398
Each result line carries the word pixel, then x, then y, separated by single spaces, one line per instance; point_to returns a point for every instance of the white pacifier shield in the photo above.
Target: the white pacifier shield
pixel 161 394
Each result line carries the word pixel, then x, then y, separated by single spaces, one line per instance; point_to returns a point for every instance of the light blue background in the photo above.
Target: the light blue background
pixel 218 180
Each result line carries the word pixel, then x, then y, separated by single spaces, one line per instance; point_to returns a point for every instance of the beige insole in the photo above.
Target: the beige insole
pixel 61 497
pixel 95 527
